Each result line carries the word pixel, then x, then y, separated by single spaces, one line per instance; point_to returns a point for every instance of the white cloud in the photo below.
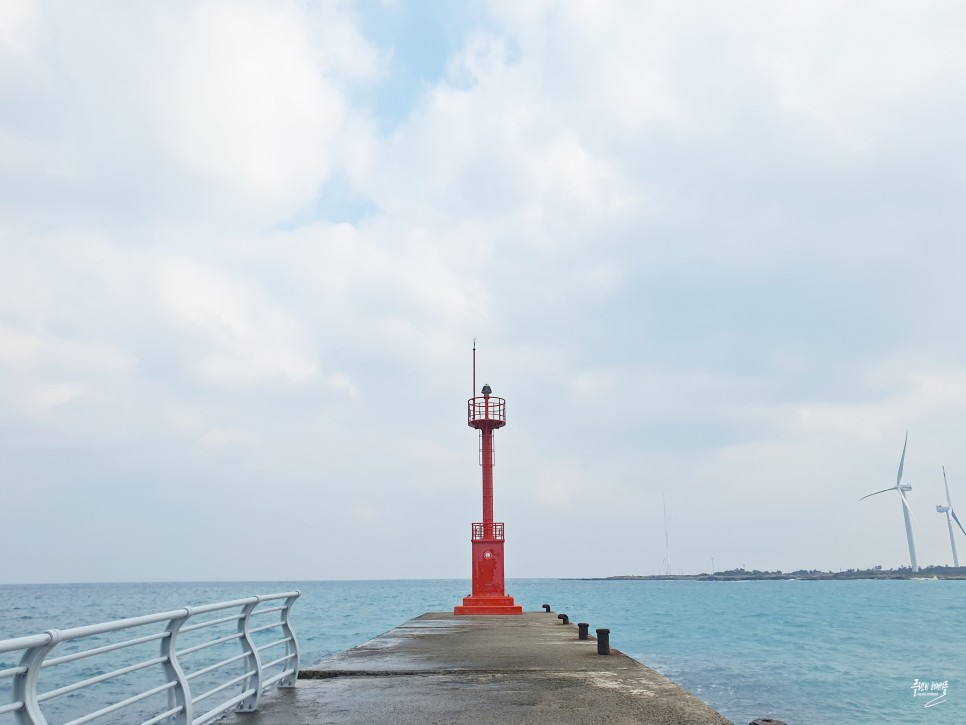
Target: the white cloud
pixel 560 486
pixel 245 104
pixel 214 109
pixel 51 396
pixel 246 336
pixel 44 351
pixel 183 419
pixel 926 394
pixel 19 21
pixel 226 438
pixel 17 347
pixel 874 59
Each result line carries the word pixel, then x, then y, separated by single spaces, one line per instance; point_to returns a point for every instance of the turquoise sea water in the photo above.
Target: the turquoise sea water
pixel 809 653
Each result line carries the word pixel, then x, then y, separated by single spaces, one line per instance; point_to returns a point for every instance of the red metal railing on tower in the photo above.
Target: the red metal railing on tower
pixel 488 408
pixel 488 531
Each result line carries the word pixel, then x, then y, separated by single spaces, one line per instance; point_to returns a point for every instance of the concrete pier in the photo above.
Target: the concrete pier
pixel 440 668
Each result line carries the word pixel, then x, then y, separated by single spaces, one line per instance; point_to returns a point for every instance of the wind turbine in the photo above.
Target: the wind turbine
pixel 948 510
pixel 901 488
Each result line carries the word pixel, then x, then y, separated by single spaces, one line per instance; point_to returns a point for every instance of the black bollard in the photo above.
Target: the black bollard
pixel 766 721
pixel 564 619
pixel 582 630
pixel 603 641
pixel 546 608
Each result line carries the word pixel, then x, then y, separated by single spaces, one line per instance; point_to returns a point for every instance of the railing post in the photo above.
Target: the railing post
pixel 250 703
pixel 292 646
pixel 25 684
pixel 179 696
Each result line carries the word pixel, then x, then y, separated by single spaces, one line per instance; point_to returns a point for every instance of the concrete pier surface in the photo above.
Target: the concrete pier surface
pixel 441 668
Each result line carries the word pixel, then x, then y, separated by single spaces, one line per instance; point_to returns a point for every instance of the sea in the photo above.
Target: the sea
pixel 803 652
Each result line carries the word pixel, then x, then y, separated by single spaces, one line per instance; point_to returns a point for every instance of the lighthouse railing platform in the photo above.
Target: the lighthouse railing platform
pixel 487 408
pixel 155 674
pixel 488 531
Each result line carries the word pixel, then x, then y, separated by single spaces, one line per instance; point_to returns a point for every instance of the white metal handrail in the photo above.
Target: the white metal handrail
pixel 242 690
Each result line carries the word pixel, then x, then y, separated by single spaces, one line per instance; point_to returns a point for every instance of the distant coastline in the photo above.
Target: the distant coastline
pixel 929 572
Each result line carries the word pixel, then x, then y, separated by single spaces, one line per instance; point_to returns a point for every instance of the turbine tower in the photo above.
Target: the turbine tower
pixel 901 488
pixel 950 512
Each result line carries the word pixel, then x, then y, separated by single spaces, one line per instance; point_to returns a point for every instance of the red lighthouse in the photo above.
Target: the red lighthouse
pixel 486 414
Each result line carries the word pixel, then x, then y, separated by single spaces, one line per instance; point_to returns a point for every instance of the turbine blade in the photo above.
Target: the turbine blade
pixel 893 488
pixel 905 502
pixel 958 522
pixel 902 460
pixel 948 500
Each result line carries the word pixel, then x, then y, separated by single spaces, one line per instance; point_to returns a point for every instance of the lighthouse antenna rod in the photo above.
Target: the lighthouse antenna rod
pixel 474 368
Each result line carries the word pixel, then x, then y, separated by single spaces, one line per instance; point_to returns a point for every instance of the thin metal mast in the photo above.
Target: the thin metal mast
pixel 667 546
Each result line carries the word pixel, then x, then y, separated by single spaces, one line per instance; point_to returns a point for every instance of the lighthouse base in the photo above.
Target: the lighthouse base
pixel 488 605
pixel 489 596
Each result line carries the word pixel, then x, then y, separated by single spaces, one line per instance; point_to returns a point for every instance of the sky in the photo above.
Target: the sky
pixel 711 253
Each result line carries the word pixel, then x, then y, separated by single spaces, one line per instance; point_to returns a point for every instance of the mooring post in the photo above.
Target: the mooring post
pixel 603 641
